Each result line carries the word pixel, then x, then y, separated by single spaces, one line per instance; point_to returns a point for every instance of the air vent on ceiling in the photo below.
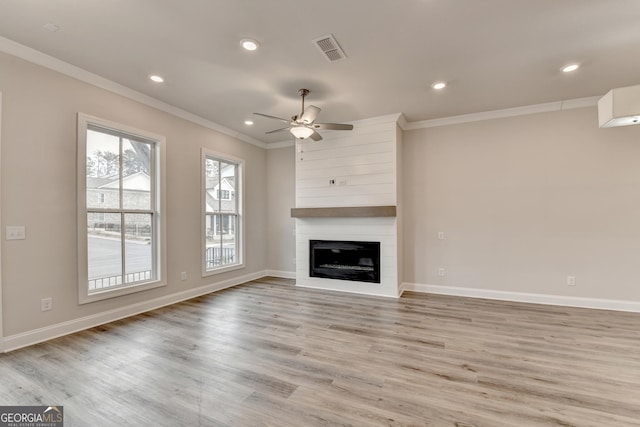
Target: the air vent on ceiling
pixel 330 48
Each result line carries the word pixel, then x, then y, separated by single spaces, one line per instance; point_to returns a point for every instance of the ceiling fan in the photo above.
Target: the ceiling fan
pixel 304 125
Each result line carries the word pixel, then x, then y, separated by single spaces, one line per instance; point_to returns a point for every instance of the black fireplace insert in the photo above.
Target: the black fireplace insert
pixel 342 260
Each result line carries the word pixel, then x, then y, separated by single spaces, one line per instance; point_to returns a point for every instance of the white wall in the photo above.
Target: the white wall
pixel 525 202
pixel 281 227
pixel 39 191
pixel 362 162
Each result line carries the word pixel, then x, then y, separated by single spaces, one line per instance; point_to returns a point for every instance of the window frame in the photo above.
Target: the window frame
pixel 240 227
pixel 85 122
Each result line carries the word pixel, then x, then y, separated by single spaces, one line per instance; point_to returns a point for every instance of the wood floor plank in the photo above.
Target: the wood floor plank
pixel 269 354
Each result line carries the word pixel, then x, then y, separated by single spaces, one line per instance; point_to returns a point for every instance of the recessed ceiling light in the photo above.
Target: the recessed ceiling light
pixel 248 122
pixel 569 68
pixel 156 78
pixel 439 85
pixel 250 44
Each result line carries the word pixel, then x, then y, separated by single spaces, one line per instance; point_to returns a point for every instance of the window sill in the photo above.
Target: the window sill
pixel 114 293
pixel 221 270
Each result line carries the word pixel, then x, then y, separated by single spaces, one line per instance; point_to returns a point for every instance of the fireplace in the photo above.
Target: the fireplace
pixel 345 260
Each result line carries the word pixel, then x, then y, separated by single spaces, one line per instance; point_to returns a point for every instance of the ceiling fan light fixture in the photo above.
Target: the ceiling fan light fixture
pixel 301 132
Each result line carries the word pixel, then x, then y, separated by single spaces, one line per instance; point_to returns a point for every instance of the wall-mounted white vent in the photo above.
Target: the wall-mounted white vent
pixel 330 48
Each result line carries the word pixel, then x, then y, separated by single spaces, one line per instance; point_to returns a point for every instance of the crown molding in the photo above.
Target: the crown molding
pixel 508 112
pixel 34 56
pixel 402 122
pixel 280 144
pixel 388 118
pixel 28 54
pixel 399 118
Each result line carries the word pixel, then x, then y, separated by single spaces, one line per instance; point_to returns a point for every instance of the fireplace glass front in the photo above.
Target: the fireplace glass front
pixel 342 260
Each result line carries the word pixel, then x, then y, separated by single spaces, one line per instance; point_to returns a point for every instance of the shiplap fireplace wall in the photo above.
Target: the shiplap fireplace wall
pixel 347 170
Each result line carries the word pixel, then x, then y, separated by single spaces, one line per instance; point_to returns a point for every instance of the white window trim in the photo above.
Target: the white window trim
pixel 84 297
pixel 1 326
pixel 205 152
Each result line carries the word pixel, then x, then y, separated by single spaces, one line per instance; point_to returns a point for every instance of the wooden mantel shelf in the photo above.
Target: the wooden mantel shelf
pixel 344 212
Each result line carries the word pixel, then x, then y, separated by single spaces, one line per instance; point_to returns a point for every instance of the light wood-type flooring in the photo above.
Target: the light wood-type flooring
pixel 269 354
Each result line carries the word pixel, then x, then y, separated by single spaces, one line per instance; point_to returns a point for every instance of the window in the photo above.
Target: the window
pixel 119 227
pixel 223 194
pixel 222 213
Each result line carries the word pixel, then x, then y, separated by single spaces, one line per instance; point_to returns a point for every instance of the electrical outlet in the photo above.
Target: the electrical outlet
pixel 16 232
pixel 46 304
pixel 332 181
pixel 441 235
pixel 441 272
pixel 571 280
pixel 183 276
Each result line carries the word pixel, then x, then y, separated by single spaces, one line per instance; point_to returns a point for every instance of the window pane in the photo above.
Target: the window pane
pixel 104 250
pixel 103 177
pixel 221 238
pixel 209 228
pixel 226 192
pixel 136 173
pixel 138 248
pixel 229 239
pixel 222 220
pixel 212 180
pixel 213 252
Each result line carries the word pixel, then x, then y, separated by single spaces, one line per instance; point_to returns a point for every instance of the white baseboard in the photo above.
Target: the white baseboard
pixel 601 304
pixel 14 342
pixel 401 289
pixel 281 274
pixel 347 291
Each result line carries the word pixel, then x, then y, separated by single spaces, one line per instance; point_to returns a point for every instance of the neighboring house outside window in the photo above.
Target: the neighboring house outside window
pixel 119 195
pixel 222 213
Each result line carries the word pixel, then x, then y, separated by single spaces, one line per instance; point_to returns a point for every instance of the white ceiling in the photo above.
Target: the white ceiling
pixel 494 54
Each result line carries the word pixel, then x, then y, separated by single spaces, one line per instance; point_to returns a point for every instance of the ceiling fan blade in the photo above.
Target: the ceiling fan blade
pixel 332 126
pixel 278 130
pixel 315 136
pixel 272 117
pixel 309 115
